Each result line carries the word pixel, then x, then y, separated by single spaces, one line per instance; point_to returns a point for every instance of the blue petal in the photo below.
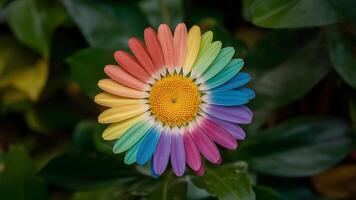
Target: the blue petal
pixel 153 174
pixel 227 98
pixel 237 81
pixel 148 146
pixel 247 91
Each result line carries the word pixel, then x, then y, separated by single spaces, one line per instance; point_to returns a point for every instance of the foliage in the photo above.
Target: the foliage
pixel 300 53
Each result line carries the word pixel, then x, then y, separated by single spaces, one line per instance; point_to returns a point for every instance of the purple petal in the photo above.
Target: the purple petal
pixel 234 129
pixel 235 114
pixel 161 156
pixel 178 153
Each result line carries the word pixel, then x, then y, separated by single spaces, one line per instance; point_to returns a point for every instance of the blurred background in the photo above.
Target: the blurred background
pixel 301 54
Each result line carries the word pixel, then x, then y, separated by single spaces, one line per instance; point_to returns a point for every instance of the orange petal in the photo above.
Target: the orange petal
pixel 141 54
pixel 154 48
pixel 112 87
pixel 119 75
pixel 166 40
pixel 180 44
pixel 129 64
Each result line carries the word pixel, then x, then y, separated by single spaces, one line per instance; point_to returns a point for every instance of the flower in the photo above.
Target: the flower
pixel 179 96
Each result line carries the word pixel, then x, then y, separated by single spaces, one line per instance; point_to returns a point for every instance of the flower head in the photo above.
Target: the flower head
pixel 175 99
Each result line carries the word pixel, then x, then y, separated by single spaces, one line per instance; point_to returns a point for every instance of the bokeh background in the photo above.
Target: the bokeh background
pixel 301 54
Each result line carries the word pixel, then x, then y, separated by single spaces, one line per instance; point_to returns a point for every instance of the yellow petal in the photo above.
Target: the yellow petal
pixel 193 44
pixel 113 87
pixel 116 130
pixel 110 100
pixel 121 113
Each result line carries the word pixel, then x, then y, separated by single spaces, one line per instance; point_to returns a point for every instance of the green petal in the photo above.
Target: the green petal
pixel 131 136
pixel 205 41
pixel 130 156
pixel 221 60
pixel 226 74
pixel 205 59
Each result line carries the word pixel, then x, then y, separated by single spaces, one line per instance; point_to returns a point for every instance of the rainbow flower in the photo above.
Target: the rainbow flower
pixel 175 99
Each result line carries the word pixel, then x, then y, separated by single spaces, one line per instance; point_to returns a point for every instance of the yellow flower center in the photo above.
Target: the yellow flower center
pixel 175 100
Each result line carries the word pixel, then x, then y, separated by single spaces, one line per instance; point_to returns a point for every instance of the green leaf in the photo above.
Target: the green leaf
pixel 111 193
pixel 34 21
pixel 292 79
pixel 299 147
pixel 107 24
pixel 163 11
pixel 266 193
pixel 229 181
pixel 301 13
pixel 87 171
pixel 20 69
pixel 18 179
pixel 169 188
pixel 342 55
pixel 87 68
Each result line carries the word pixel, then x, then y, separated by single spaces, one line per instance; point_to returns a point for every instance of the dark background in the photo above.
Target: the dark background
pixel 301 54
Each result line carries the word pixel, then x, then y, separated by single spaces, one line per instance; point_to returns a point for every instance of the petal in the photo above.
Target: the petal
pixel 161 155
pixel 110 100
pixel 152 169
pixel 206 58
pixel 205 41
pixel 221 60
pixel 119 75
pixel 148 145
pixel 180 44
pixel 218 134
pixel 166 40
pixel 177 152
pixel 118 114
pixel 142 56
pixel 193 44
pixel 129 64
pixel 130 156
pixel 234 129
pixel 224 75
pixel 227 98
pixel 116 130
pixel 191 152
pixel 204 144
pixel 154 48
pixel 239 80
pixel 112 87
pixel 132 135
pixel 201 170
pixel 236 114
pixel 249 92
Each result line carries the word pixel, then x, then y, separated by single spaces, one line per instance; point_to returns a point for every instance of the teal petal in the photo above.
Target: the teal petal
pixel 131 136
pixel 221 60
pixel 206 58
pixel 226 74
pixel 239 80
pixel 130 156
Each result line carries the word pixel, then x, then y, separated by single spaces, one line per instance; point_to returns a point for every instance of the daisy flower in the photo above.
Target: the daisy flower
pixel 176 98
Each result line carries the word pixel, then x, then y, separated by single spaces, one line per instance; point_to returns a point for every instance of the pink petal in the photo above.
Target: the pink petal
pixel 154 48
pixel 201 170
pixel 129 64
pixel 119 75
pixel 166 40
pixel 180 43
pixel 191 152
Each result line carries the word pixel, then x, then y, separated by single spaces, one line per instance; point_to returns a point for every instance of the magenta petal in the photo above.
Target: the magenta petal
pixel 191 152
pixel 205 145
pixel 234 129
pixel 201 170
pixel 218 134
pixel 236 114
pixel 177 153
pixel 161 156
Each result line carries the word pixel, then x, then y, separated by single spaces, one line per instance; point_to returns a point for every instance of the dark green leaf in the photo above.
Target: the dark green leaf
pixel 86 68
pixel 292 79
pixel 18 179
pixel 163 11
pixel 107 24
pixel 301 13
pixel 342 55
pixel 266 193
pixel 85 171
pixel 34 21
pixel 169 188
pixel 111 193
pixel 229 181
pixel 299 147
